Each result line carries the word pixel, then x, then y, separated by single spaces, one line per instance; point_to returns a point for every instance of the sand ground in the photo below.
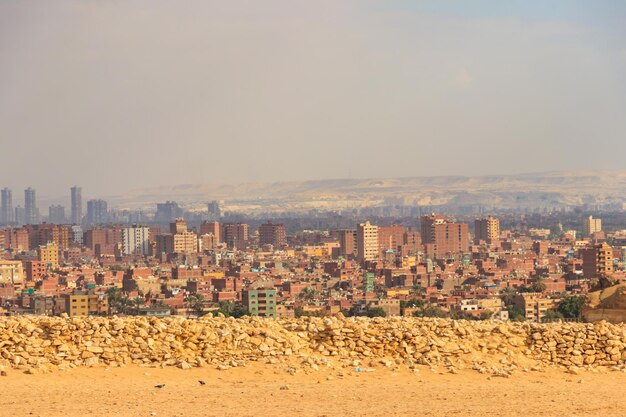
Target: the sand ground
pixel 259 390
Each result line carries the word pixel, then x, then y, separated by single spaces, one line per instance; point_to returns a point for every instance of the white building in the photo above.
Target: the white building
pixel 367 241
pixel 135 240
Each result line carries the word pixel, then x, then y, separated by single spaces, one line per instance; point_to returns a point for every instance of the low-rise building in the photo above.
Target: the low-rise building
pixel 260 302
pixel 86 304
pixel 534 305
pixel 11 272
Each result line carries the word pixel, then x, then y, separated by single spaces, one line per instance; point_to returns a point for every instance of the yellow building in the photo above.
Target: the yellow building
pixel 591 226
pixel 83 304
pixel 11 272
pixel 49 255
pixel 396 292
pixel 409 261
pixel 314 250
pixel 491 304
pixel 214 274
pixel 486 229
pixel 391 307
pixel 534 305
pixel 186 242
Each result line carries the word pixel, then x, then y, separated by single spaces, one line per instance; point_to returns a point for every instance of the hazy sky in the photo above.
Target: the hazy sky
pixel 117 95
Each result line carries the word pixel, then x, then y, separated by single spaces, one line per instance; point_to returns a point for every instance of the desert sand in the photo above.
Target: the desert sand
pixel 257 390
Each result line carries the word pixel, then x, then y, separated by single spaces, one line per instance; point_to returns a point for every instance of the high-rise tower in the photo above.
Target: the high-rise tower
pixel 6 207
pixel 30 206
pixel 97 212
pixel 77 205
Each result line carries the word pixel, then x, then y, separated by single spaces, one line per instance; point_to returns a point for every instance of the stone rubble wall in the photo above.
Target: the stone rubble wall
pixel 35 343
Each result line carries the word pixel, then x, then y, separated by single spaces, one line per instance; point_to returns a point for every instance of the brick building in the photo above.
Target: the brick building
pixel 273 234
pixel 443 237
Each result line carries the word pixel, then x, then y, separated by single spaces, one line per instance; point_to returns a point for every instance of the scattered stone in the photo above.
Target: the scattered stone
pixel 361 344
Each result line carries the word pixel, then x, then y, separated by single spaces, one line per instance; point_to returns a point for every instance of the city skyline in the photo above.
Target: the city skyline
pixel 548 191
pixel 354 207
pixel 362 89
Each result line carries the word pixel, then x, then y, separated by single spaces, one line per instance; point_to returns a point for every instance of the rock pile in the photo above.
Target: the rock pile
pixel 40 343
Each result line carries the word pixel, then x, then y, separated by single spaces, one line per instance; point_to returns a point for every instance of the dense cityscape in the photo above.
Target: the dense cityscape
pixel 312 208
pixel 411 261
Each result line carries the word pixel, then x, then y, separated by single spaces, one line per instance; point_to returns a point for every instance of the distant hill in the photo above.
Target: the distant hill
pixel 549 189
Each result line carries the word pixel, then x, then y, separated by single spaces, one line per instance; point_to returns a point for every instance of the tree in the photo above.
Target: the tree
pixel 300 312
pixel 380 290
pixel 137 303
pixel 231 309
pixel 553 315
pixel 458 314
pixel 515 313
pixel 114 297
pixel 411 304
pixel 118 302
pixel 417 289
pixel 431 311
pixel 571 307
pixel 351 312
pixel 538 286
pixel 308 294
pixel 507 295
pixel 485 315
pixel 196 303
pixel 376 312
pixel 240 311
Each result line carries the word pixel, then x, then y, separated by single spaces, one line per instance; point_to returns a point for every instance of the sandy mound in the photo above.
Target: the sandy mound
pixel 608 304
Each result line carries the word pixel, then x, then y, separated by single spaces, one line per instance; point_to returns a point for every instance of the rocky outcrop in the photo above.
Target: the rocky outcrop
pixel 608 304
pixel 41 343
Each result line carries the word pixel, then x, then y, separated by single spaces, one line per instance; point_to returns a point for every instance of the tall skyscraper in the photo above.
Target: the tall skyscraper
pixel 367 241
pixel 167 212
pixel 31 213
pixel 20 216
pixel 7 216
pixel 97 212
pixel 77 205
pixel 215 213
pixel 56 214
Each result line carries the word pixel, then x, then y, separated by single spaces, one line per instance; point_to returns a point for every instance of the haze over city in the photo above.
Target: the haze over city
pixel 313 208
pixel 117 96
